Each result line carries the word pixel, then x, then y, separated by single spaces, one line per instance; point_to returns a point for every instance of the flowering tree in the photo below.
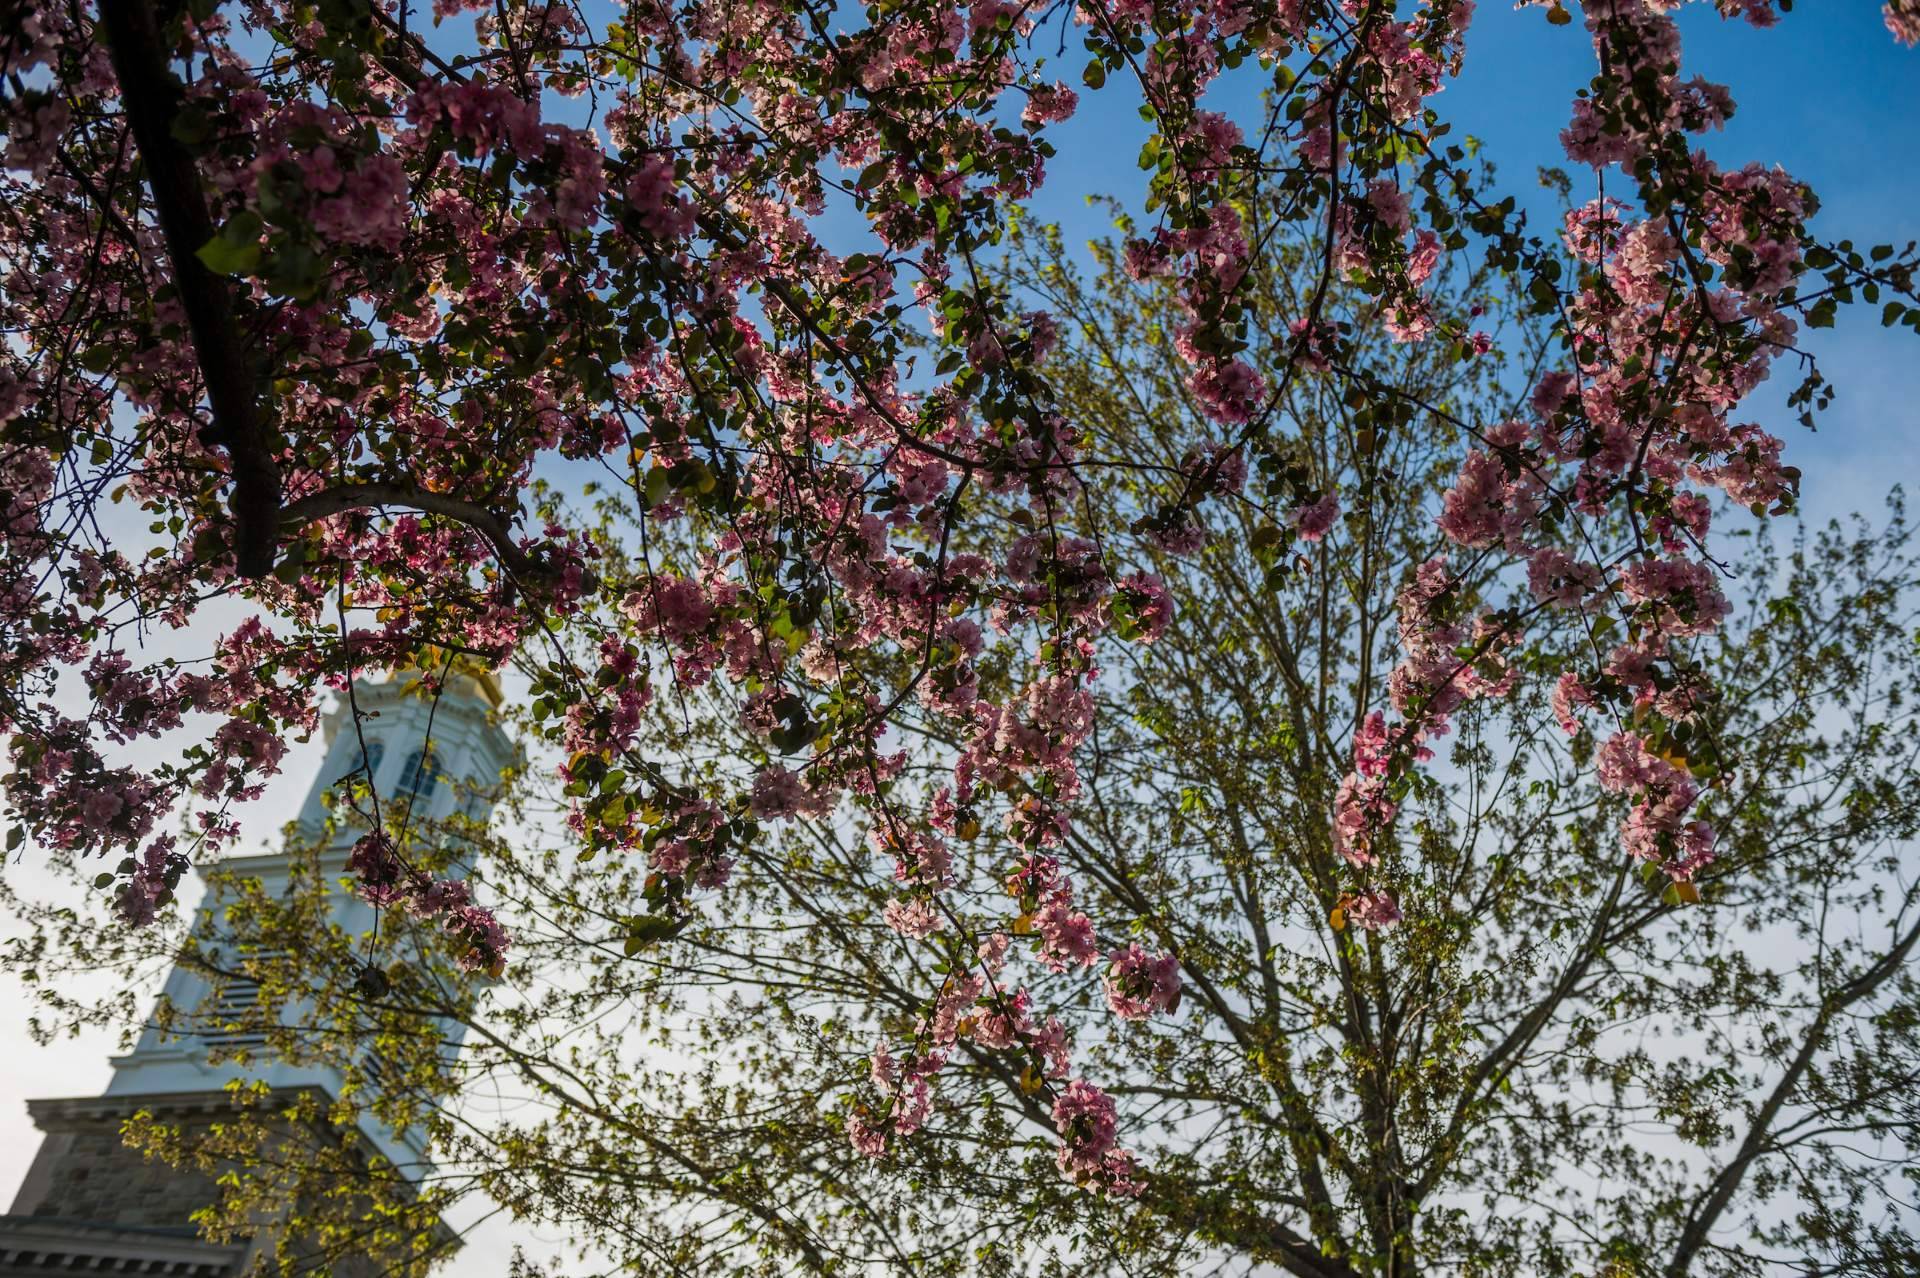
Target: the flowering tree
pixel 319 291
pixel 1551 1064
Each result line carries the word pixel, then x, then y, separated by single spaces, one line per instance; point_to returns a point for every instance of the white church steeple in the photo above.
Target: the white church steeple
pixel 432 757
pixel 89 1203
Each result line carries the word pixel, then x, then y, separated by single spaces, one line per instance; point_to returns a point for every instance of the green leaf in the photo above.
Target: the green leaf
pixel 223 258
pixel 645 930
pixel 236 250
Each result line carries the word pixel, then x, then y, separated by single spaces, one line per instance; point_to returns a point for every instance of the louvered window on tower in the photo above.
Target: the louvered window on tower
pixel 234 1015
pixel 421 778
pixel 379 1071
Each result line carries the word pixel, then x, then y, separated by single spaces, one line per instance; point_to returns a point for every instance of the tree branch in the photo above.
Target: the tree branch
pixel 151 98
pixel 345 497
pixel 1218 1220
pixel 1707 1212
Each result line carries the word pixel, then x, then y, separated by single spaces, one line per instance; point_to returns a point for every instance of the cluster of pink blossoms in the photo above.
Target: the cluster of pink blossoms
pixel 385 879
pixel 1088 1155
pixel 978 1005
pixel 1903 20
pixel 1138 984
pixel 1640 417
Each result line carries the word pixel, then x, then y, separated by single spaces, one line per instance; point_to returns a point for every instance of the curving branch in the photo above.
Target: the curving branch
pixel 152 99
pixel 372 496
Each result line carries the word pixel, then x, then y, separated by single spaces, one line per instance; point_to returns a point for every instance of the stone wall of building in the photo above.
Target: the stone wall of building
pixel 89 1197
pixel 86 1172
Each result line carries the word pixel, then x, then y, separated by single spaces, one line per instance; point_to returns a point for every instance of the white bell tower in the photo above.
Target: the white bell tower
pixel 89 1202
pixel 431 756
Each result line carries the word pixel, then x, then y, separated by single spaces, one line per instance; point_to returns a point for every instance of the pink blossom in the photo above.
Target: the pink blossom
pixel 912 917
pixel 652 192
pixel 1569 695
pixel 1556 577
pixel 1491 503
pixel 868 1141
pixel 1680 595
pixel 377 865
pixel 1049 105
pixel 1390 205
pixel 1066 935
pixel 1315 520
pixel 1139 984
pixel 918 857
pixel 1903 20
pixel 1084 1117
pixel 778 793
pixel 1149 606
pixel 1372 911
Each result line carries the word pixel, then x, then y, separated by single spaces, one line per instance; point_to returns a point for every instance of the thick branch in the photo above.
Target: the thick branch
pixel 1218 1220
pixel 333 501
pixel 151 99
